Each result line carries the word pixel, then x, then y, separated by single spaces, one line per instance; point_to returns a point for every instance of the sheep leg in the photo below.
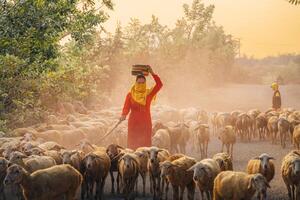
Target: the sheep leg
pixel 118 183
pixel 151 184
pixel 144 183
pixel 167 189
pixel 112 181
pixel 231 151
pixel 181 192
pixel 191 191
pixel 222 147
pixel 175 192
pixel 206 149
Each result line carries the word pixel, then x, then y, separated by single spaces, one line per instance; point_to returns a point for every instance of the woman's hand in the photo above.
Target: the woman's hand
pixel 122 118
pixel 151 70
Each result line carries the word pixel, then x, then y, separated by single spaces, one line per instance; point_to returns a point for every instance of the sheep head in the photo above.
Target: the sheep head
pixel 129 161
pixel 113 150
pixel 14 175
pixel 264 161
pixel 35 151
pixel 259 183
pixel 296 167
pixel 17 158
pixel 166 169
pixel 3 165
pixel 153 155
pixel 201 172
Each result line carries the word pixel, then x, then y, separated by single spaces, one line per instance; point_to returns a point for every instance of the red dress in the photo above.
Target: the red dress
pixel 139 122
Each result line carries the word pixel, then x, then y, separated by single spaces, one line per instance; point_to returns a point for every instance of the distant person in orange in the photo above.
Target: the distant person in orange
pixel 276 101
pixel 138 102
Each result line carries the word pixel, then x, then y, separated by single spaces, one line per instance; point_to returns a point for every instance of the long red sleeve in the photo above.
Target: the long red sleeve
pixel 127 106
pixel 157 87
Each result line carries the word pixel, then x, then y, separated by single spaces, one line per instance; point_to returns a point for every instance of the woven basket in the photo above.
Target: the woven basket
pixel 140 69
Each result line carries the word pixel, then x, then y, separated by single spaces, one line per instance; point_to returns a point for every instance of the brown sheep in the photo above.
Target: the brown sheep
pixel 72 157
pixel 296 137
pixel 202 137
pixel 205 172
pixel 224 160
pixel 176 172
pixel 95 168
pixel 261 125
pixel 34 185
pixel 262 165
pixel 239 185
pixel 142 157
pixel 114 152
pixel 162 139
pixel 283 129
pixel 129 170
pixel 273 128
pixel 32 164
pixel 290 171
pixel 228 138
pixel 3 168
pixel 41 152
pixel 156 156
pixel 50 145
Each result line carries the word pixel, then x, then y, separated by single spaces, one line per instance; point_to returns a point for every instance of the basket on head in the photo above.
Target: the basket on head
pixel 140 69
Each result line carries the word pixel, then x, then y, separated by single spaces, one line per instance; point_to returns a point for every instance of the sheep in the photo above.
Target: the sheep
pixel 41 152
pixel 228 138
pixel 273 128
pixel 179 135
pixel 243 126
pixel 114 152
pixel 176 172
pixel 261 125
pixel 224 160
pixel 72 157
pixel 205 172
pixel 156 156
pixel 95 167
pixel 263 165
pixel 162 139
pixel 3 168
pixel 32 164
pixel 202 137
pixel 296 137
pixel 290 172
pixel 142 157
pixel 128 167
pixel 45 184
pixel 239 185
pixel 51 146
pixel 283 129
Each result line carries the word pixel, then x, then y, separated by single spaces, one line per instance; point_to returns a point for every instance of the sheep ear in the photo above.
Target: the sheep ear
pixel 191 168
pixel 256 158
pixel 221 164
pixel 120 147
pixel 272 158
pixel 9 164
pixel 251 183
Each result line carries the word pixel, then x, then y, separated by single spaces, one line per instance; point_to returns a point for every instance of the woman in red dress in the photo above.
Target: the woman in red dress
pixel 138 102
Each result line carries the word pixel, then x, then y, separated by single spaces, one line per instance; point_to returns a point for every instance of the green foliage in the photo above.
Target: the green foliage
pixel 30 53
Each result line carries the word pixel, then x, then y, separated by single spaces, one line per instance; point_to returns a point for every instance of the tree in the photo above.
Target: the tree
pixel 30 36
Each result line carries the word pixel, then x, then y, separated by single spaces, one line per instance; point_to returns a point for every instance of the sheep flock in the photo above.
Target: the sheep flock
pixel 195 154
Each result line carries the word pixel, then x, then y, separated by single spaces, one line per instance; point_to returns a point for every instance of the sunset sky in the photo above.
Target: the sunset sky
pixel 266 27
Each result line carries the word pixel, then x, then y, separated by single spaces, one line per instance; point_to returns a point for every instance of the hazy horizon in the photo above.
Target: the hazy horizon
pixel 266 28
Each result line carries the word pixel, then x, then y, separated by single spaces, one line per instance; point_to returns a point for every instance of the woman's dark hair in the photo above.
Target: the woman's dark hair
pixel 140 76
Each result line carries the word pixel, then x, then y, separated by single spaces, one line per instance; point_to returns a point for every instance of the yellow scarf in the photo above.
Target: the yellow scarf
pixel 139 93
